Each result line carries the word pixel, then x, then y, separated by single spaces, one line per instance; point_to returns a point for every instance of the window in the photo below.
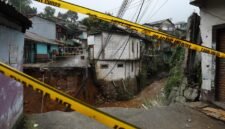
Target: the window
pixel 104 66
pixel 120 65
pixel 82 57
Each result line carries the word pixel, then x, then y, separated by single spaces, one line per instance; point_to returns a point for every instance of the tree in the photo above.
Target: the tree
pixel 23 6
pixel 29 10
pixel 69 16
pixel 94 24
pixel 48 12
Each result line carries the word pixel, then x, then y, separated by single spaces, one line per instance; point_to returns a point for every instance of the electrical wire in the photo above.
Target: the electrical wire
pixel 126 43
pixel 117 59
pixel 147 6
pixel 121 12
pixel 117 50
pixel 133 2
pixel 140 10
pixel 131 6
pixel 154 5
pixel 158 9
pixel 123 8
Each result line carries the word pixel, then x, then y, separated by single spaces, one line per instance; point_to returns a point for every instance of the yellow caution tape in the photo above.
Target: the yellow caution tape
pixel 64 99
pixel 134 26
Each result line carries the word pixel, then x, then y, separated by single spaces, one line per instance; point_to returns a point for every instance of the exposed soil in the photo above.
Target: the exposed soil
pixel 149 93
pixel 69 82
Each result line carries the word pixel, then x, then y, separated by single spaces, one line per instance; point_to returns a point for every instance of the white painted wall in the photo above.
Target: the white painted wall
pixel 11 91
pixel 211 14
pixel 43 27
pixel 117 73
pixel 117 45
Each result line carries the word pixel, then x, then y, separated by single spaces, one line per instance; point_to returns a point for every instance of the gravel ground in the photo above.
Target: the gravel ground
pixel 172 117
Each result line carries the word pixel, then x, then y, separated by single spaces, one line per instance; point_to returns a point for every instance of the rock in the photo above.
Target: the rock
pixel 191 94
pixel 183 86
pixel 35 125
pixel 172 95
pixel 180 99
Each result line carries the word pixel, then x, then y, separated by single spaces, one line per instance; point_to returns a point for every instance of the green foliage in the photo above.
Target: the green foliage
pixel 93 24
pixel 69 16
pixel 176 73
pixel 24 6
pixel 142 77
pixel 174 80
pixel 48 12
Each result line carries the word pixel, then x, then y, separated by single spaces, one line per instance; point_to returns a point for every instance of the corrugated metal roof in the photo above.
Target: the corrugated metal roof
pixel 35 37
pixel 13 15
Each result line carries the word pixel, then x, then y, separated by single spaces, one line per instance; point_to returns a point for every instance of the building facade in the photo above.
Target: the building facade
pixel 43 27
pixel 116 60
pixel 38 49
pixel 213 34
pixel 164 25
pixel 41 45
pixel 12 28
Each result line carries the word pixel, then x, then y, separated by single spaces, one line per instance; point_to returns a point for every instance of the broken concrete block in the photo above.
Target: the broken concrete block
pixel 183 86
pixel 180 99
pixel 191 94
pixel 173 94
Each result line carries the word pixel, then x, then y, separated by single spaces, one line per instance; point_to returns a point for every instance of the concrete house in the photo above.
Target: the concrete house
pixel 166 26
pixel 67 69
pixel 116 60
pixel 212 28
pixel 74 52
pixel 181 25
pixel 12 28
pixel 163 25
pixel 40 44
pixel 39 49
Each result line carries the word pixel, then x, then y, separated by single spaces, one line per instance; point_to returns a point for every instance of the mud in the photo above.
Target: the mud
pixel 70 81
pixel 149 93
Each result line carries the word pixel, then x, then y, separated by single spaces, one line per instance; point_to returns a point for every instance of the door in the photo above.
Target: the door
pixel 220 68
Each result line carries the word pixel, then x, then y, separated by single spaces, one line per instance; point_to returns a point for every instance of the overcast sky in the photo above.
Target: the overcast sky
pixel 154 10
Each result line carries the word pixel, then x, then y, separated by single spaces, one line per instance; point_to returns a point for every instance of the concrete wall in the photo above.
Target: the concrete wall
pixel 116 46
pixel 43 27
pixel 41 48
pixel 212 13
pixel 167 26
pixel 80 61
pixel 11 92
pixel 118 73
pixel 54 47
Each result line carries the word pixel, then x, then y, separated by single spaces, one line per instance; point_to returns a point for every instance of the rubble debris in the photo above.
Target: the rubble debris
pixel 215 113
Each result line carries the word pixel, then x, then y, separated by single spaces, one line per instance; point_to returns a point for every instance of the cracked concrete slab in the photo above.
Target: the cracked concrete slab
pixel 170 117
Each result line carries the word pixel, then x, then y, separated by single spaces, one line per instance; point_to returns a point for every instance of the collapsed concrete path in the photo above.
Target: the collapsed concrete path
pixel 172 117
